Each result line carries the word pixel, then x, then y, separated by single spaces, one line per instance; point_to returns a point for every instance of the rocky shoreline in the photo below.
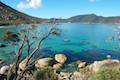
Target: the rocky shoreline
pixel 45 67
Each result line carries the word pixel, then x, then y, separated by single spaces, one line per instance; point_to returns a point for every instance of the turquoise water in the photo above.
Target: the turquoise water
pixel 84 36
pixel 87 42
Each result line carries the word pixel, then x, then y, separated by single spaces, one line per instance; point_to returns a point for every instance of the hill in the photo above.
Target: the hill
pixel 92 18
pixel 9 15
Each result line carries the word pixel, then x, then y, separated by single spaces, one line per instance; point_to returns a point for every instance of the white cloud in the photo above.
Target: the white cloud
pixel 29 4
pixel 92 0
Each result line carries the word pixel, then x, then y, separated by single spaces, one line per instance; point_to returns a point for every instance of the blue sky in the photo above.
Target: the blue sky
pixel 65 8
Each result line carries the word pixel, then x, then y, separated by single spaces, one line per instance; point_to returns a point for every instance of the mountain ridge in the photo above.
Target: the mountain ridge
pixel 8 15
pixel 93 18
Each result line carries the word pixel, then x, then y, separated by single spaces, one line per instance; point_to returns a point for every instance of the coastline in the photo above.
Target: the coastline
pixel 83 70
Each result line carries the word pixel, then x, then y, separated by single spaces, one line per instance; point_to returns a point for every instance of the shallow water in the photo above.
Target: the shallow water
pixel 86 42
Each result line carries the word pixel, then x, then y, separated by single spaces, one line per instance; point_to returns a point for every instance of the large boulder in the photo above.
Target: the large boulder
pixel 82 65
pixel 4 70
pixel 61 58
pixel 44 62
pixel 23 63
pixel 77 76
pixel 64 76
pixel 57 66
pixel 97 65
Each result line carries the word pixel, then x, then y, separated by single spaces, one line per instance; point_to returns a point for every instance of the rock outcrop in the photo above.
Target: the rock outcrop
pixel 4 70
pixel 97 65
pixel 61 58
pixel 44 62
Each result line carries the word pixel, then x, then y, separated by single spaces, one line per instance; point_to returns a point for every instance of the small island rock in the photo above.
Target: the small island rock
pixel 61 58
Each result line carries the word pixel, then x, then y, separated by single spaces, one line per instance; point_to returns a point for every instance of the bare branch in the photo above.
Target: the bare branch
pixel 28 44
pixel 15 67
pixel 34 51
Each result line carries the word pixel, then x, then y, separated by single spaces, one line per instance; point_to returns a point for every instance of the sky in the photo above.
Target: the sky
pixel 65 8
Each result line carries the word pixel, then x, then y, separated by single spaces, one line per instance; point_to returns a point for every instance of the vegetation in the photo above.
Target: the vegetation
pixel 107 74
pixel 45 74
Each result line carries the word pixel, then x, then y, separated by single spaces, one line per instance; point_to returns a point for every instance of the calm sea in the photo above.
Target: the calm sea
pixel 88 42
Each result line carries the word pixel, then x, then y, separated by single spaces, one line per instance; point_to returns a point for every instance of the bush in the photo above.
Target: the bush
pixel 45 74
pixel 107 74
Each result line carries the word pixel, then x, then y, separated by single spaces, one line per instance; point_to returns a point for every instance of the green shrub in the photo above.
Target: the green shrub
pixel 107 74
pixel 45 74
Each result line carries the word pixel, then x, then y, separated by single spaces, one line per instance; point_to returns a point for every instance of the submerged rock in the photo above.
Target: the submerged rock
pixel 109 57
pixel 61 58
pixel 13 43
pixel 2 45
pixel 11 36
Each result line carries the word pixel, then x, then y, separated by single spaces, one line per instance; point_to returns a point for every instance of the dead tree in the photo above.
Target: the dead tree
pixel 13 72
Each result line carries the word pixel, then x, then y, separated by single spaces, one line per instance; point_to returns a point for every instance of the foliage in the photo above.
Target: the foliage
pixel 45 74
pixel 107 74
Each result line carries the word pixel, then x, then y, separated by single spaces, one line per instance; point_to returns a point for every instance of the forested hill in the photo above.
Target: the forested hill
pixel 9 15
